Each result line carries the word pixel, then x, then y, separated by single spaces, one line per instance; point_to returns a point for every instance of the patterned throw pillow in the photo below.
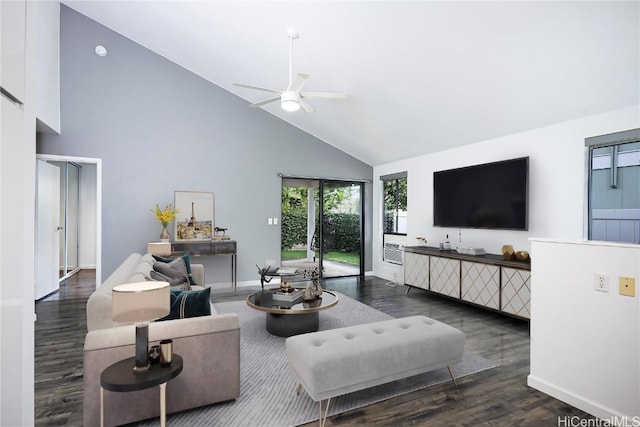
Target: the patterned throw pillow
pixel 191 303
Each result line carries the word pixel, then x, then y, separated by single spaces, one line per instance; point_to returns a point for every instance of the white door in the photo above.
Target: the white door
pixel 48 229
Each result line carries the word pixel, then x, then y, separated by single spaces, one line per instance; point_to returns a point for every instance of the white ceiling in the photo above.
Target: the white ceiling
pixel 423 76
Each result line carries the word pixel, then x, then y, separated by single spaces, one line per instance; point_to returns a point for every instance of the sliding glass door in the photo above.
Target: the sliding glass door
pixel 340 226
pixel 322 226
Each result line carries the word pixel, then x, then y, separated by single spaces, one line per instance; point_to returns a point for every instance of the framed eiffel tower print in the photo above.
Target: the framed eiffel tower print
pixel 196 215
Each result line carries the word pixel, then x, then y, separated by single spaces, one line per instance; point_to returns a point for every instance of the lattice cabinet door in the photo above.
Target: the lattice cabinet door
pixel 481 284
pixel 445 276
pixel 416 270
pixel 516 292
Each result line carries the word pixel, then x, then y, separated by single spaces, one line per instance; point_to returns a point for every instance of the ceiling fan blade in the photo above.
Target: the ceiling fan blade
pixel 332 95
pixel 298 82
pixel 306 107
pixel 266 101
pixel 266 89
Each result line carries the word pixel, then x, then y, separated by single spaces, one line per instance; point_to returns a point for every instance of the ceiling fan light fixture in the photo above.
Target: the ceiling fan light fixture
pixel 290 101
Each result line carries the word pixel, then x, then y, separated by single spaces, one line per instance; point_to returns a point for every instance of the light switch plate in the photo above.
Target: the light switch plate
pixel 627 286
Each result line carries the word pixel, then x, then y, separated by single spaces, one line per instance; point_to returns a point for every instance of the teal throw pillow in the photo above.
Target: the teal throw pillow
pixel 187 263
pixel 191 303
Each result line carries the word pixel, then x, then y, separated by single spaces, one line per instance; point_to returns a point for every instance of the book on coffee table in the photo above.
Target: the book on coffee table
pixel 288 296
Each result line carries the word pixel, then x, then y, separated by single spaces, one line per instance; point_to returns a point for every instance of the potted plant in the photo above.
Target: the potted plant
pixel 165 216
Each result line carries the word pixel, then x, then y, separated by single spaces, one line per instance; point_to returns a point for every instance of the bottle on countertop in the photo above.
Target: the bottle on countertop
pixel 447 245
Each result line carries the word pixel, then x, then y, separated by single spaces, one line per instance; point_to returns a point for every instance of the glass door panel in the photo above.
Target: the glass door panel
pixel 340 229
pixel 299 207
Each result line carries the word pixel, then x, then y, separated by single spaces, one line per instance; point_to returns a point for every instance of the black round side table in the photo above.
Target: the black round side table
pixel 120 377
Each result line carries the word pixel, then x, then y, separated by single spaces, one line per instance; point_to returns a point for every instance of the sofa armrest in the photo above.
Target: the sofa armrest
pixel 209 346
pixel 197 272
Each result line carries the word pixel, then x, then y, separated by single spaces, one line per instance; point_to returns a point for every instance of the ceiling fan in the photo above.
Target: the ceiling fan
pixel 292 98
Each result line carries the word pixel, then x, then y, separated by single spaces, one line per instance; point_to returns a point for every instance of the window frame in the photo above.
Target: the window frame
pixel 396 177
pixel 613 140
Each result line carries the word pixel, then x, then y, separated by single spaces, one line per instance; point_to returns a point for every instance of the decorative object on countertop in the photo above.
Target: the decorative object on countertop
pixel 447 245
pixel 309 292
pixel 154 354
pixel 165 216
pixel 166 352
pixel 313 273
pixel 423 240
pixel 140 303
pixel 508 254
pixel 286 286
pixel 522 256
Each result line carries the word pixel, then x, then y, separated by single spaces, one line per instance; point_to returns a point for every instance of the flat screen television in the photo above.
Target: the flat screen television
pixel 491 195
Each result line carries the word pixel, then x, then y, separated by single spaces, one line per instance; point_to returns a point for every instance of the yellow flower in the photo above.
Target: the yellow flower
pixel 166 215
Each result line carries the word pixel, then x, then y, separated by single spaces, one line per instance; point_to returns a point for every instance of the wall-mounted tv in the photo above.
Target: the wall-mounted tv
pixel 491 195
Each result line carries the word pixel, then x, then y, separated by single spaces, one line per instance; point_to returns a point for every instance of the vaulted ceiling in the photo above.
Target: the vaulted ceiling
pixel 422 76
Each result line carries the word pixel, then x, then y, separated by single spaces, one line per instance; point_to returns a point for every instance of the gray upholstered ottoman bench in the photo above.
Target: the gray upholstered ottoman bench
pixel 340 361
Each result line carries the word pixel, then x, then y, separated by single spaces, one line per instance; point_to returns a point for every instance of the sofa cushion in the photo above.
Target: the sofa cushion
pixel 192 303
pixel 187 263
pixel 174 272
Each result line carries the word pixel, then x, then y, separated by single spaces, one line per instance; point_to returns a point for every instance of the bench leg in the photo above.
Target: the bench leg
pixel 452 377
pixel 408 289
pixel 323 418
pixel 298 388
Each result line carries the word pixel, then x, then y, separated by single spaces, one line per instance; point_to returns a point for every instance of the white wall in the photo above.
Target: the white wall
pixel 48 69
pixel 585 344
pixel 17 234
pixel 557 182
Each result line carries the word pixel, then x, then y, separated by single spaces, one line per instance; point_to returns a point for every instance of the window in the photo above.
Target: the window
pixel 614 187
pixel 394 216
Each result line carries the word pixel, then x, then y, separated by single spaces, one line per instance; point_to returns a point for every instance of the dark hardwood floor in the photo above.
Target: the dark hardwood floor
pixel 496 397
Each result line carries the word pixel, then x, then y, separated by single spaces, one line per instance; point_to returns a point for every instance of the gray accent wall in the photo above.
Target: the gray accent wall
pixel 159 128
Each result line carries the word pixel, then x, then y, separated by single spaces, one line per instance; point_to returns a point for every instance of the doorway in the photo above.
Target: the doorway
pixel 322 226
pixel 68 229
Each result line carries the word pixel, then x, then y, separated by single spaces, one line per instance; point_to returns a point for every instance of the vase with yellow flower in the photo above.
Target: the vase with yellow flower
pixel 165 216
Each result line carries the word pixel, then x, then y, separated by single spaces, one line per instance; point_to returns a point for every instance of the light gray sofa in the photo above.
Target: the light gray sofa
pixel 209 346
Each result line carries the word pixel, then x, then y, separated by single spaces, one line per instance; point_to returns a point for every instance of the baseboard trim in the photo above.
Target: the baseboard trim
pixel 589 406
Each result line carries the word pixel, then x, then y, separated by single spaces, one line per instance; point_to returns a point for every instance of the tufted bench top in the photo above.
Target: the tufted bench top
pixel 340 361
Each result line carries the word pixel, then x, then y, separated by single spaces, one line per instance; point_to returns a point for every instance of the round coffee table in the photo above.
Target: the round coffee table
pixel 285 319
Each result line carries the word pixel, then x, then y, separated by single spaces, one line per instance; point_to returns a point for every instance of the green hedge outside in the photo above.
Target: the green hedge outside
pixel 341 231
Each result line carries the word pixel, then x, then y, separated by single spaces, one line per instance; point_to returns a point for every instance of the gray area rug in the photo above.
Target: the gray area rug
pixel 267 386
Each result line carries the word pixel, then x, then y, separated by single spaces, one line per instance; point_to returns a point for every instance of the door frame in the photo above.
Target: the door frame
pixel 47 245
pixel 98 201
pixel 321 182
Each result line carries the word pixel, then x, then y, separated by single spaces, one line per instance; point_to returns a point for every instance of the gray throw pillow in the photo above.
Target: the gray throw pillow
pixel 174 272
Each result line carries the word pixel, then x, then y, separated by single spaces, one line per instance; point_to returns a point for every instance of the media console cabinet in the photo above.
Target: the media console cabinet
pixel 483 280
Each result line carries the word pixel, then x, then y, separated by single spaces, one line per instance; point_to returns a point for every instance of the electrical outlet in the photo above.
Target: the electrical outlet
pixel 601 282
pixel 627 286
pixel 270 221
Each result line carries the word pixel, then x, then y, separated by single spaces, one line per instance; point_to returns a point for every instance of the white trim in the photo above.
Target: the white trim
pixel 98 163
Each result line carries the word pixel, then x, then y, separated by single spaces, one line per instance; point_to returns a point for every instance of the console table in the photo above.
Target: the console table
pixel 487 281
pixel 211 248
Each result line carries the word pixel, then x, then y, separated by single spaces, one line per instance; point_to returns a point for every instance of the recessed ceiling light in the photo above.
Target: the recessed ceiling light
pixel 101 50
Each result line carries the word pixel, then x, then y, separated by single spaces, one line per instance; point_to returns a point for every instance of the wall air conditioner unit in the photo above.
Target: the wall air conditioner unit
pixel 394 253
